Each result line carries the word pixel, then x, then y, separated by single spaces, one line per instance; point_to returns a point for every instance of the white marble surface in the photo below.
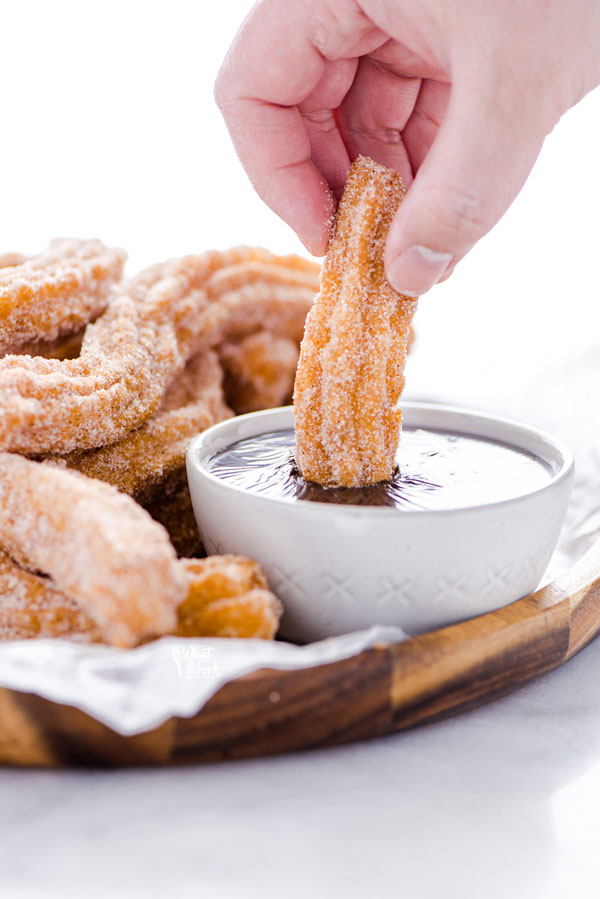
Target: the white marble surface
pixel 500 802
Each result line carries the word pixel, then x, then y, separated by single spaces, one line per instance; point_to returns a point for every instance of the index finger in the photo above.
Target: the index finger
pixel 275 62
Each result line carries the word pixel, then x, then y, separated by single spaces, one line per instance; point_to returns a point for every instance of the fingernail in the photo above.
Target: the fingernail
pixel 445 276
pixel 305 242
pixel 313 248
pixel 417 269
pixel 447 273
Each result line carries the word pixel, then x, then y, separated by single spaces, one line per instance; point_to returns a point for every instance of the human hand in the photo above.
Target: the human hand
pixel 456 95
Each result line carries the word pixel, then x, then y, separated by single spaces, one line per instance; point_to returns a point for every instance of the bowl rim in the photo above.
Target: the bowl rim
pixel 303 507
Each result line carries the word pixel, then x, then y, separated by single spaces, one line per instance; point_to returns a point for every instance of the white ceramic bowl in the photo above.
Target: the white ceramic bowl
pixel 340 568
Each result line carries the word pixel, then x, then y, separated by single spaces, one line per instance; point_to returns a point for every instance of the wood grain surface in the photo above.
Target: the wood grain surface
pixel 378 691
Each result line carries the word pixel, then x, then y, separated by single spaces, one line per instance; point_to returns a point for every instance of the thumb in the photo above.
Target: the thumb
pixel 474 169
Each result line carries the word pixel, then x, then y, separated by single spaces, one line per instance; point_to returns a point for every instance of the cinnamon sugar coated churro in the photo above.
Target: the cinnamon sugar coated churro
pixel 141 461
pixel 350 373
pixel 106 389
pixel 226 596
pixel 259 371
pixel 7 260
pixel 154 323
pixel 32 606
pixel 149 463
pixel 128 358
pixel 56 293
pixel 98 546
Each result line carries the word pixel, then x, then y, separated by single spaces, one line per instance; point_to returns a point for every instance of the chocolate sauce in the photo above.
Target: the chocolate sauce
pixel 435 470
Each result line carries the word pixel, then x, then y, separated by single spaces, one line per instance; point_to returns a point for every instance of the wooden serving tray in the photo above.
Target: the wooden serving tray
pixel 376 692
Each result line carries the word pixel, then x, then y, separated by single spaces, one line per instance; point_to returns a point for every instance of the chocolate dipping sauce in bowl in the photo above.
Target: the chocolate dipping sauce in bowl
pixel 467 524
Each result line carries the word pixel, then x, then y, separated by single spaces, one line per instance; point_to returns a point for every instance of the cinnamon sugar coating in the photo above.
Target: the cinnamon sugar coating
pixel 128 358
pixel 118 402
pixel 228 597
pixel 142 460
pixel 7 260
pixel 350 373
pixel 259 371
pixel 154 323
pixel 97 545
pixel 225 596
pixel 31 605
pixel 149 463
pixel 55 293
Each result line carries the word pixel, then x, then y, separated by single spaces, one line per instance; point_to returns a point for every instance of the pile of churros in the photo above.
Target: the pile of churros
pixel 103 383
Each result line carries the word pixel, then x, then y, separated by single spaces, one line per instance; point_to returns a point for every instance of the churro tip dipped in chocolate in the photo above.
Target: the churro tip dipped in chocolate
pixel 350 372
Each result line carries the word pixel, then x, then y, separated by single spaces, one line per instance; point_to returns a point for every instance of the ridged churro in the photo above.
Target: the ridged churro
pixel 149 463
pixel 96 544
pixel 116 394
pixel 154 323
pixel 259 371
pixel 55 293
pixel 225 596
pixel 128 358
pixel 32 606
pixel 350 373
pixel 142 460
pixel 228 597
pixel 263 268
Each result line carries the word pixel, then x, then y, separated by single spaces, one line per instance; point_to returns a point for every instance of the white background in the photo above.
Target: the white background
pixel 108 128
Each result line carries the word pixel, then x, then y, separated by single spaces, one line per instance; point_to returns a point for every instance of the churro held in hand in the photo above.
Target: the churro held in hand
pixel 350 373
